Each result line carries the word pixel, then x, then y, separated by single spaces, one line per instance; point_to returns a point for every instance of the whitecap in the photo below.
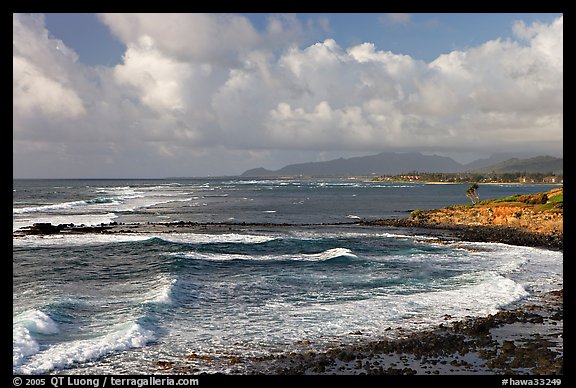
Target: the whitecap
pixel 486 293
pixel 56 240
pixel 97 239
pixel 36 322
pixel 330 254
pixel 47 208
pixel 321 256
pixel 24 329
pixel 161 293
pixel 122 337
pixel 201 238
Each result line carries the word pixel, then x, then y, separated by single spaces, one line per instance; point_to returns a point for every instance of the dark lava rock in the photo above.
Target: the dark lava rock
pixel 164 365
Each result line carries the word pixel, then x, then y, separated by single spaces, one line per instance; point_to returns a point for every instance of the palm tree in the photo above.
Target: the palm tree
pixel 473 194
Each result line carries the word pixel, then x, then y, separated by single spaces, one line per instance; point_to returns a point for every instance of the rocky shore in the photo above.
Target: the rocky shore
pixel 530 220
pixel 525 339
pixel 486 233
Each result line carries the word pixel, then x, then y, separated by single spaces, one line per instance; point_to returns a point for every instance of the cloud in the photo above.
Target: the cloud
pixel 157 79
pixel 34 92
pixel 39 90
pixel 187 37
pixel 395 18
pixel 362 98
pixel 203 94
pixel 324 23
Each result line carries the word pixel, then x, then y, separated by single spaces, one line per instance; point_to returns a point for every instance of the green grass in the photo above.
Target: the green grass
pixel 558 198
pixel 511 198
pixel 554 202
pixel 541 200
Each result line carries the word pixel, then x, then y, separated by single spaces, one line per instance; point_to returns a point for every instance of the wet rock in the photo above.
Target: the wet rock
pixel 164 365
pixel 232 360
pixel 508 347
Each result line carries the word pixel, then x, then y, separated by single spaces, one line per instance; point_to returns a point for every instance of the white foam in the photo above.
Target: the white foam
pixel 330 254
pixel 24 327
pixel 204 238
pixel 162 293
pixel 36 322
pixel 322 256
pixel 123 337
pixel 253 182
pixel 315 235
pixel 59 206
pixel 146 202
pixel 95 239
pixel 98 210
pixel 77 239
pixel 511 260
pixel 488 292
pixel 375 313
pixel 23 345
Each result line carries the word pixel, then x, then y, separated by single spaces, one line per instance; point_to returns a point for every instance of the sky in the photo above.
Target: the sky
pixel 184 95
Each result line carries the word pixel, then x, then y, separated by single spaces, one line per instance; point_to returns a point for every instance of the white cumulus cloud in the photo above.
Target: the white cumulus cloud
pixel 42 83
pixel 201 91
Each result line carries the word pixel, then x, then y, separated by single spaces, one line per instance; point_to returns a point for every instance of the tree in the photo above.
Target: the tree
pixel 473 194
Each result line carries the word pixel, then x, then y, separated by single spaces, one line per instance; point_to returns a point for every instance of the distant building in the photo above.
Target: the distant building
pixel 526 179
pixel 551 179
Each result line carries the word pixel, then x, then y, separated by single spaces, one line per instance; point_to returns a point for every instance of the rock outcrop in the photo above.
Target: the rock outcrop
pixel 537 213
pixel 531 220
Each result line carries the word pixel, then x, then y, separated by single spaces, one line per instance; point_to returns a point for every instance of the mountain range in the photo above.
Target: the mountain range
pixel 394 163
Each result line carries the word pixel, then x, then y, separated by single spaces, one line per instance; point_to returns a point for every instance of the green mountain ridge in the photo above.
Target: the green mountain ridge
pixel 538 164
pixel 391 163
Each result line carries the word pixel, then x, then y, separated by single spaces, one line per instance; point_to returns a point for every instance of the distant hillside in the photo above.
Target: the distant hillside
pixel 394 163
pixel 538 164
pixel 495 159
pixel 385 163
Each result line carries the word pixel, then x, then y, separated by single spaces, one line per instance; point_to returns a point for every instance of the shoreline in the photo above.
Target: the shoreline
pixel 473 233
pixel 523 338
pixel 480 233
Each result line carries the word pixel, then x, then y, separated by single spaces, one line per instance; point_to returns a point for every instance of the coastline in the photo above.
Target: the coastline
pixel 525 338
pixel 475 233
pixel 480 233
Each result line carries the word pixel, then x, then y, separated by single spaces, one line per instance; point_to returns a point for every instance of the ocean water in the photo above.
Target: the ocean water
pixel 100 303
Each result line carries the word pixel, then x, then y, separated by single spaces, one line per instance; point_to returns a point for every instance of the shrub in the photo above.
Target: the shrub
pixel 417 213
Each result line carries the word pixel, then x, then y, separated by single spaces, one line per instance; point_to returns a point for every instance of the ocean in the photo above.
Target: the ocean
pixel 287 266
